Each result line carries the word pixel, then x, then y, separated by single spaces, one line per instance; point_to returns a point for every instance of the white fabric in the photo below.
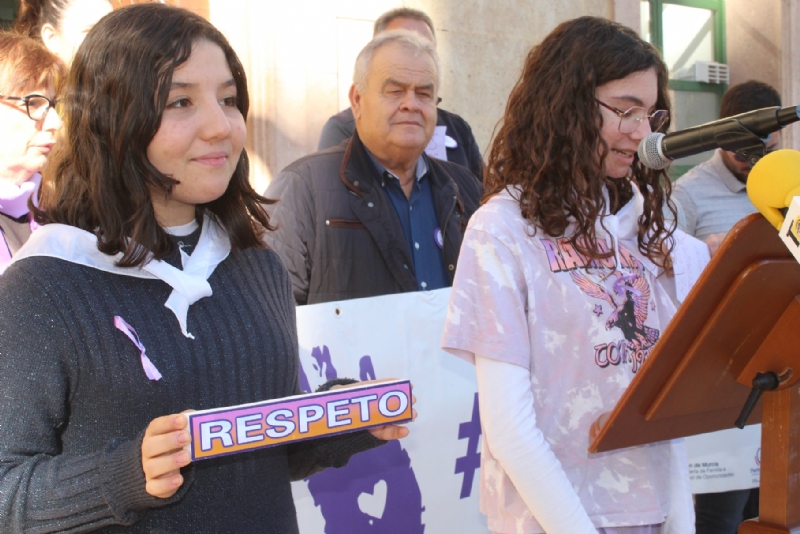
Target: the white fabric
pixel 581 330
pixel 511 434
pixel 188 286
pixel 680 519
pixel 182 230
pixel 643 529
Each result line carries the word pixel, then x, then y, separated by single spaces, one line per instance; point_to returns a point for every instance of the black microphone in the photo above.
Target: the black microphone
pixel 744 131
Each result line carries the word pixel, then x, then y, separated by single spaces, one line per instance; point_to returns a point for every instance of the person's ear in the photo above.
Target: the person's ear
pixel 50 37
pixel 355 101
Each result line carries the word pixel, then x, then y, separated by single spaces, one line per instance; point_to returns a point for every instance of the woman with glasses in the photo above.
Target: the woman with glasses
pixel 556 298
pixel 29 74
pixel 60 24
pixel 148 291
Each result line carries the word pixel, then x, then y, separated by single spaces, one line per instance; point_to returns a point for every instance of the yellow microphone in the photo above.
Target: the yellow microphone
pixel 773 182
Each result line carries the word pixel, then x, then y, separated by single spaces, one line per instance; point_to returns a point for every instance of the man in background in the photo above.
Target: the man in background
pixel 711 198
pixel 459 143
pixel 376 215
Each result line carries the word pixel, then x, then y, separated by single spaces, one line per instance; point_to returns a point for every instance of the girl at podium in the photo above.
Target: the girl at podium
pixel 556 297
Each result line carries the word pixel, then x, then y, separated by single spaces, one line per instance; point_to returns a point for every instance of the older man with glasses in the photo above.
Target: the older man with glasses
pixel 712 197
pixel 376 215
pixel 459 143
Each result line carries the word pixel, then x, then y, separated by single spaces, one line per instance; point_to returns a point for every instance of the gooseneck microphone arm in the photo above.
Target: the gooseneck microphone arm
pixel 730 135
pixel 744 134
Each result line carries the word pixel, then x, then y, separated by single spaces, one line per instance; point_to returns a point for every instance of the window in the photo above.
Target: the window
pixel 8 10
pixel 687 31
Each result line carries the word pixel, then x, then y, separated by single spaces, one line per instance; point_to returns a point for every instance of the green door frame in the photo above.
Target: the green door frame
pixel 720 53
pixel 8 11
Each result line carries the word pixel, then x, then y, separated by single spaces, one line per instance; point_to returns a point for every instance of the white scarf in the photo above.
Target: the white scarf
pixel 623 226
pixel 188 285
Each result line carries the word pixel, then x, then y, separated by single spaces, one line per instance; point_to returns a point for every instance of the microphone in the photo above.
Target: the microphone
pixel 773 182
pixel 737 133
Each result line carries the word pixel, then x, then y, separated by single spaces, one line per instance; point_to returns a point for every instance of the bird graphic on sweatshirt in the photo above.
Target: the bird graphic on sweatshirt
pixel 629 316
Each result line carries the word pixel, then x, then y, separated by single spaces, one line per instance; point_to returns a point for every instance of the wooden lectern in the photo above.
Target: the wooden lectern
pixel 741 318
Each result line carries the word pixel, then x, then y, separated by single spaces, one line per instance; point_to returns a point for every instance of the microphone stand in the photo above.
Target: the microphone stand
pixel 733 136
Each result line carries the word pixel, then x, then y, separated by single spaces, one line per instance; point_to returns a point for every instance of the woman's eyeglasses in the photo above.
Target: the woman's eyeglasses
pixel 629 120
pixel 36 106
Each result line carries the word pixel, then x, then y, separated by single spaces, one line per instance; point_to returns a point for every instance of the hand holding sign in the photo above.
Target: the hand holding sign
pixel 361 406
pixel 386 432
pixel 164 453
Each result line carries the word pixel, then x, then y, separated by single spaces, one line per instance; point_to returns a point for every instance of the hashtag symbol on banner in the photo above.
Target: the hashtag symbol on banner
pixel 471 462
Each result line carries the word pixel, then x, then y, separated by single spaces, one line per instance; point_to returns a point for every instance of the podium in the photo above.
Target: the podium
pixel 741 318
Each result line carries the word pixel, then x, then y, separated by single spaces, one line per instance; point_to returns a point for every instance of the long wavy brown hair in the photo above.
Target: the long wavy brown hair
pixel 548 142
pixel 99 178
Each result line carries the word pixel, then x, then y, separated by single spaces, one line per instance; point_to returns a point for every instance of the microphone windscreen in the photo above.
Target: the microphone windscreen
pixel 773 182
pixel 650 153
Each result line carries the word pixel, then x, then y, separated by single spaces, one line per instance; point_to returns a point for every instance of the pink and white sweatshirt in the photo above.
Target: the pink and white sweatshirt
pixel 557 340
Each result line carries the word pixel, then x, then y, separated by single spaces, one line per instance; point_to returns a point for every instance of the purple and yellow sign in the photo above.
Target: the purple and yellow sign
pixel 223 431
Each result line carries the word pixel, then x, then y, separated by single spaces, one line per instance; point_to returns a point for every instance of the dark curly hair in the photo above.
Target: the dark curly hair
pixel 549 138
pixel 99 178
pixel 748 96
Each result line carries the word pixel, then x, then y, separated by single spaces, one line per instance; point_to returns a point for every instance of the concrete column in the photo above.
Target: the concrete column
pixel 753 35
pixel 790 65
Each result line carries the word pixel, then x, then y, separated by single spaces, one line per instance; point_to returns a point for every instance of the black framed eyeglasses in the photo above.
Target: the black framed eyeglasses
pixel 629 120
pixel 36 106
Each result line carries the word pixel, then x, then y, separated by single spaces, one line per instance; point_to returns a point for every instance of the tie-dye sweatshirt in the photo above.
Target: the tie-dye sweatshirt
pixel 582 330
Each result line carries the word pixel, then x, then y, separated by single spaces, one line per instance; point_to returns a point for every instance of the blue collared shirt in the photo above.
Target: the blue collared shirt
pixel 417 215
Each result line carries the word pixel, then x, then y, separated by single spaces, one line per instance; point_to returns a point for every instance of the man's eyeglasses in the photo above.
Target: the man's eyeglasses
pixel 36 106
pixel 741 159
pixel 629 120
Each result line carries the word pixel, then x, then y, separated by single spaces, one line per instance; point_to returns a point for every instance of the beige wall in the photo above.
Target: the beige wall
pixel 762 42
pixel 790 65
pixel 299 59
pixel 754 40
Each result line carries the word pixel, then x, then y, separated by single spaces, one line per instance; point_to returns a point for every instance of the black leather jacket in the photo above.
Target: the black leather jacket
pixel 338 233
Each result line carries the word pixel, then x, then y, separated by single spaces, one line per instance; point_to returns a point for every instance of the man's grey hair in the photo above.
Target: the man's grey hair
pixel 409 40
pixel 402 13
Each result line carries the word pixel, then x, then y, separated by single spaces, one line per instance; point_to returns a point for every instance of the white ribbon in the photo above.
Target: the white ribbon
pixel 188 285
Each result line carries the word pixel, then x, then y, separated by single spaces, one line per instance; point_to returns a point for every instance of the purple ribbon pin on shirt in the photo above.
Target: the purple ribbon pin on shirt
pixel 149 369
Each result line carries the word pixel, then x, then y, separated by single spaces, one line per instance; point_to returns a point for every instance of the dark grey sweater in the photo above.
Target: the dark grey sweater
pixel 74 400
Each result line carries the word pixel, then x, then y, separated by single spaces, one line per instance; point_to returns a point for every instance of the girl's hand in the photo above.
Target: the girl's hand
pixel 163 454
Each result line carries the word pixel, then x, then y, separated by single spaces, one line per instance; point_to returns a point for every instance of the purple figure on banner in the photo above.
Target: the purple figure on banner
pixel 470 462
pixel 377 491
pixel 324 365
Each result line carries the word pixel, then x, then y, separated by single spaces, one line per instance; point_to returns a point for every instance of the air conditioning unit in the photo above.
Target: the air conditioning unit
pixel 705 71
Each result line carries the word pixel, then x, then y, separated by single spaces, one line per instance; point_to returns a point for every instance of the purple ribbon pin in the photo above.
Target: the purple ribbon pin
pixel 149 369
pixel 438 238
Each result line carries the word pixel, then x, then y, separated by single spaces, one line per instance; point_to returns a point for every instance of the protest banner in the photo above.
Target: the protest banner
pixel 429 481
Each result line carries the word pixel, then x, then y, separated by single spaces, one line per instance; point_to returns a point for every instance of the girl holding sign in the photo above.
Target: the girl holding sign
pixel 556 298
pixel 148 291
